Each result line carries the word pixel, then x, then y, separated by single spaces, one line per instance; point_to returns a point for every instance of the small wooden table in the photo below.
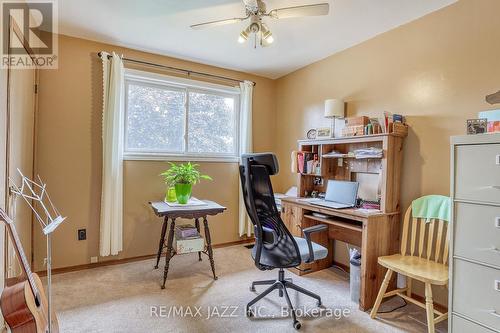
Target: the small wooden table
pixel 162 209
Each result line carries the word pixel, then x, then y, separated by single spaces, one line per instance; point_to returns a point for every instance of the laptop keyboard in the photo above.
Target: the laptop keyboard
pixel 330 204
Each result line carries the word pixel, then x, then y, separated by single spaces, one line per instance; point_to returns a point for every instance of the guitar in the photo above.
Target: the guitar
pixel 24 304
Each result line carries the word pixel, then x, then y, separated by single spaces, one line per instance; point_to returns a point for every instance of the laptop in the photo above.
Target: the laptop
pixel 339 194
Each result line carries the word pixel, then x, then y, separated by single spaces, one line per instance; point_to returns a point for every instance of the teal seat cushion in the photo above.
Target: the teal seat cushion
pixel 319 251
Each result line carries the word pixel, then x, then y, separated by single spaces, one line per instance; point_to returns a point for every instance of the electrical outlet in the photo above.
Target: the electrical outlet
pixel 82 234
pixel 93 260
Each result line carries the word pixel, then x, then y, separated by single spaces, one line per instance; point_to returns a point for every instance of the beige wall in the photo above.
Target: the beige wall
pixel 436 71
pixel 69 157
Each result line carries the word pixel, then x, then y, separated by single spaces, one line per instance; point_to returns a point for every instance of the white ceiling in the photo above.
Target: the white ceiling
pixel 162 26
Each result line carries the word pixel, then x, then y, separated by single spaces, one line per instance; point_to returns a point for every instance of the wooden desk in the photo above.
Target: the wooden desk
pixel 188 212
pixel 377 235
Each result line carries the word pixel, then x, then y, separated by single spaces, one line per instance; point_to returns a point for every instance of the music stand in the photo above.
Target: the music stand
pixel 48 217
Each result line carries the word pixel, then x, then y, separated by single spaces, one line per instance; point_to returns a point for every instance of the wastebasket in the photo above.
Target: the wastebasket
pixel 355 273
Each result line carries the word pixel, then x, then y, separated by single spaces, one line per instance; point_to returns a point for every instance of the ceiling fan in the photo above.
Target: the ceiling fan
pixel 255 12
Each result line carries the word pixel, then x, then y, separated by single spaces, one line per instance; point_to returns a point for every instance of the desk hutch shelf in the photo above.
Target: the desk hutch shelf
pixel 384 172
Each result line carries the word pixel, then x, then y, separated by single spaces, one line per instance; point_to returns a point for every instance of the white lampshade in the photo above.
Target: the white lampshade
pixel 334 108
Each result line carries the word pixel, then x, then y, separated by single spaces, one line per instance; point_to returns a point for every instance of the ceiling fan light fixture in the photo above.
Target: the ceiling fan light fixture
pixel 267 35
pixel 256 11
pixel 269 39
pixel 243 37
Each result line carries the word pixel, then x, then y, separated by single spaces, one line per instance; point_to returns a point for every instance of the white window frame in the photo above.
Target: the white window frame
pixel 187 86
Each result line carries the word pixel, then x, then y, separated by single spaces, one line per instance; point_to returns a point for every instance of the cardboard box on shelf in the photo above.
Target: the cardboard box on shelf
pixel 356 121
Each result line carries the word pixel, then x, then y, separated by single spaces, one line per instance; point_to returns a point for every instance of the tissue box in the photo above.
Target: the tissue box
pixel 188 245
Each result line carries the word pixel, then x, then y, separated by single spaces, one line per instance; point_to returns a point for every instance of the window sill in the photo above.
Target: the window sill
pixel 178 158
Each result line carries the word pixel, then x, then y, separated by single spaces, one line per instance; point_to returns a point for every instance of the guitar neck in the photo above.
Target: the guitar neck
pixel 18 247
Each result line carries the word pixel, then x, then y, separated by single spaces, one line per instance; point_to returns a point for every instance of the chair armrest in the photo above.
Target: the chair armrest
pixel 307 235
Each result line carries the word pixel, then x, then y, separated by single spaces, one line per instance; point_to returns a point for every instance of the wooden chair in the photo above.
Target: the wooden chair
pixel 425 260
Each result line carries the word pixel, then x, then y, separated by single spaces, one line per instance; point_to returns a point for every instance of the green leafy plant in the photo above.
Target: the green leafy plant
pixel 183 174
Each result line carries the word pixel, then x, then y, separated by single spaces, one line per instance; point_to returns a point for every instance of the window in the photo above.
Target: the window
pixel 174 118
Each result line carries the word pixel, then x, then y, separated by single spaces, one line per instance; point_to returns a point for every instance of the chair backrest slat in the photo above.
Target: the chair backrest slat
pixel 422 227
pixel 413 235
pixel 430 238
pixel 439 240
pixel 425 239
pixel 406 225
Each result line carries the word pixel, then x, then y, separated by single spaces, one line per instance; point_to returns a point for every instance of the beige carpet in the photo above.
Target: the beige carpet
pixel 128 298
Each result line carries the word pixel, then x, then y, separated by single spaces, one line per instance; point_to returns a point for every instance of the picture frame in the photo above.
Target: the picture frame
pixel 477 126
pixel 323 133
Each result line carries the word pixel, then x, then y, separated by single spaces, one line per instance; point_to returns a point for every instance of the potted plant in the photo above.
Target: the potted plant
pixel 182 177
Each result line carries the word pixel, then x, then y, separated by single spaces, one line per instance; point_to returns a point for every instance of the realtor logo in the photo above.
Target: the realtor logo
pixel 29 34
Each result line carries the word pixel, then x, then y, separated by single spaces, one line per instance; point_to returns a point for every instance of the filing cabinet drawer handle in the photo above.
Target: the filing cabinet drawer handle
pixel 497 222
pixel 495 313
pixel 497 285
pixel 496 187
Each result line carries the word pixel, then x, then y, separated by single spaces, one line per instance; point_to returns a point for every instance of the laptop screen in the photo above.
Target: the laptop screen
pixel 342 192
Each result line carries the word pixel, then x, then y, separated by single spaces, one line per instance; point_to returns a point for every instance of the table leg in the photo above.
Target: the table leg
pixel 197 224
pixel 209 246
pixel 162 241
pixel 168 255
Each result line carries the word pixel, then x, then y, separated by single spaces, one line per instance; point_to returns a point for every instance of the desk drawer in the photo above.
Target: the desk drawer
pixel 477 175
pixel 477 232
pixel 476 292
pixel 460 325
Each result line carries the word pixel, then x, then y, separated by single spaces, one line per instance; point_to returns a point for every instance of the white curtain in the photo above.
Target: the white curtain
pixel 111 223
pixel 245 225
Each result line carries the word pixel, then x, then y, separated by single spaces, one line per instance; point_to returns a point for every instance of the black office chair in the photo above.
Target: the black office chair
pixel 274 246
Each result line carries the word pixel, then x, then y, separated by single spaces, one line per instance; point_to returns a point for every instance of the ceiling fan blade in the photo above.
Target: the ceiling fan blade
pixel 299 11
pixel 217 23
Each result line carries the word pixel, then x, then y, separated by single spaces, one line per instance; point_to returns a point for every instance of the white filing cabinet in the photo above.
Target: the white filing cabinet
pixel 474 302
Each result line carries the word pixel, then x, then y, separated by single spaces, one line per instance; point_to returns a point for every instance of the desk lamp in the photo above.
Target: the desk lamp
pixel 334 108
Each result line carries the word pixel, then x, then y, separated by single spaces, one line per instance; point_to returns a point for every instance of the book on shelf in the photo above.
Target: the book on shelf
pixel 307 162
pixel 186 231
pixel 334 154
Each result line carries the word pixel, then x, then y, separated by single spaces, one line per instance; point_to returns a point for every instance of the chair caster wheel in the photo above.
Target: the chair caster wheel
pixel 297 325
pixel 252 288
pixel 249 312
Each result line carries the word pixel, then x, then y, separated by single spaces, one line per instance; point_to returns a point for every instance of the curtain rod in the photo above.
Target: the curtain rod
pixel 185 71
